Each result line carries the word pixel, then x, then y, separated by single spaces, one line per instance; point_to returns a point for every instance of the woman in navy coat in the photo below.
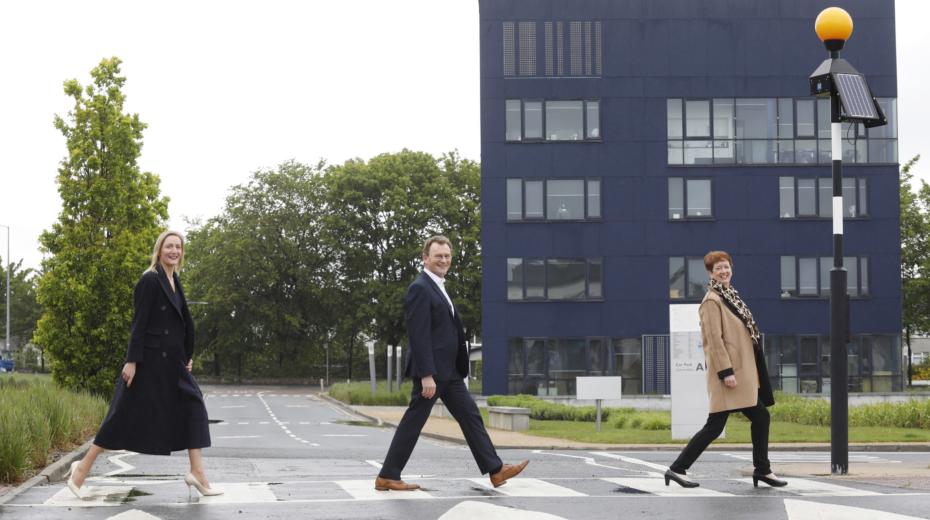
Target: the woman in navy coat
pixel 157 407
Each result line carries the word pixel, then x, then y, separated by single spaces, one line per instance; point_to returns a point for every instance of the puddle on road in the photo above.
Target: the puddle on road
pixel 358 423
pixel 631 491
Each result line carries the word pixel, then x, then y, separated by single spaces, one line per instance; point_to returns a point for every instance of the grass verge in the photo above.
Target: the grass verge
pixel 37 419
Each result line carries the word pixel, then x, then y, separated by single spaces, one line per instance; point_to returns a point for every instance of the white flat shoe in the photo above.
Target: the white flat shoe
pixel 71 485
pixel 192 481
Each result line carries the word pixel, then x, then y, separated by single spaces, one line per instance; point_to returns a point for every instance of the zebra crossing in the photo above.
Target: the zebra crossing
pixel 102 494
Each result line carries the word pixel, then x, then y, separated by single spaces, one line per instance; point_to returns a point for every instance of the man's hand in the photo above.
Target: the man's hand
pixel 429 387
pixel 730 381
pixel 129 372
pixel 190 366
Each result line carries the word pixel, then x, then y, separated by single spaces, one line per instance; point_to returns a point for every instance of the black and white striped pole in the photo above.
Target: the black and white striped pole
pixel 850 101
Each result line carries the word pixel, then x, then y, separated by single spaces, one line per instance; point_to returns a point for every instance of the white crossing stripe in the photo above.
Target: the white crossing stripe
pixel 817 488
pixel 657 486
pixel 806 510
pixel 365 490
pixel 471 509
pixel 133 514
pixel 240 493
pixel 529 487
pixel 94 496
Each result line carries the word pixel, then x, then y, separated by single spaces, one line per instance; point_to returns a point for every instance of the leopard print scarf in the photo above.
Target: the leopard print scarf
pixel 736 304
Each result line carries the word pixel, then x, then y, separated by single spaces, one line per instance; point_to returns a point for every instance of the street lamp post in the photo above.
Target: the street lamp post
pixel 850 101
pixel 8 264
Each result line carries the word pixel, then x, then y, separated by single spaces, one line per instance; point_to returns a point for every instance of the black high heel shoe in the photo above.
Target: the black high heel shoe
pixel 774 482
pixel 681 480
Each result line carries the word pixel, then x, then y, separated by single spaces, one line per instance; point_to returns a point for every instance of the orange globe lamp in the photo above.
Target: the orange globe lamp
pixel 833 26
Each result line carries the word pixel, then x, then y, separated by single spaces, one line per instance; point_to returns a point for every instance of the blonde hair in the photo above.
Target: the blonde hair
pixel 156 251
pixel 437 239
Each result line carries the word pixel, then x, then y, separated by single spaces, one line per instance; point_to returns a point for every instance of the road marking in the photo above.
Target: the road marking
pixel 264 422
pixel 240 493
pixel 657 486
pixel 470 509
pixel 814 457
pixel 234 406
pixel 118 460
pixel 344 435
pixel 133 514
pixel 365 490
pixel 375 463
pixel 631 460
pixel 243 422
pixel 282 424
pixel 297 406
pixel 239 437
pixel 806 510
pixel 304 422
pixel 224 423
pixel 587 460
pixel 816 488
pixel 529 487
pixel 94 496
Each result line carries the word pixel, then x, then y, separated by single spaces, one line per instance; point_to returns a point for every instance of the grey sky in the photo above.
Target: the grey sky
pixel 229 87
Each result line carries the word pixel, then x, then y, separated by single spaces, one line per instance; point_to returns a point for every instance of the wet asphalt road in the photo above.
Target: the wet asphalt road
pixel 282 452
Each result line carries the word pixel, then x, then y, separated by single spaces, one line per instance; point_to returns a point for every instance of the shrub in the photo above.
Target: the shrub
pixel 360 393
pixel 37 417
pixel 546 411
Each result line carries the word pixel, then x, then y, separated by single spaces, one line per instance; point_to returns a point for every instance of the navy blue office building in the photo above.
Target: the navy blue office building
pixel 624 139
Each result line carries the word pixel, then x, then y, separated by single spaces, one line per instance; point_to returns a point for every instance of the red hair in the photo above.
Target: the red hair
pixel 716 256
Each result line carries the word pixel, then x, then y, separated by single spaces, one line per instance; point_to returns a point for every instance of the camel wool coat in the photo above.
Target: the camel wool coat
pixel 727 346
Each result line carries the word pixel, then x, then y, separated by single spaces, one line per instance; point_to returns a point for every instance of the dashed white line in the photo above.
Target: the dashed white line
pixel 282 424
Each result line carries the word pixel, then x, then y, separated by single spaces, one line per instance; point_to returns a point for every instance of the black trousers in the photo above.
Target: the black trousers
pixel 759 431
pixel 455 396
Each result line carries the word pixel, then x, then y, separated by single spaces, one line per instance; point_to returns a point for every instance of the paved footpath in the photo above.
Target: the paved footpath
pixel 284 452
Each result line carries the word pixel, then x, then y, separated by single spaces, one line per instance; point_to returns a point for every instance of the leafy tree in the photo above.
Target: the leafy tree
pixel 915 255
pixel 380 212
pixel 263 272
pixel 111 214
pixel 24 309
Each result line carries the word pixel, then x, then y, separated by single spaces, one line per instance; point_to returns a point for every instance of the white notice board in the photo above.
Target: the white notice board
pixel 688 371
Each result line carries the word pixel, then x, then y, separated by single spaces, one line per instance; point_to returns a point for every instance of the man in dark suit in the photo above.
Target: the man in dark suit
pixel 438 363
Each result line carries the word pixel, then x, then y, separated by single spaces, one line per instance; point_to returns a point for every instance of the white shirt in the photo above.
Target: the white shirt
pixel 442 287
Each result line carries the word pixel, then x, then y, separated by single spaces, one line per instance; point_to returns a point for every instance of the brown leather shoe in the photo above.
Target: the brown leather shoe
pixel 507 471
pixel 386 484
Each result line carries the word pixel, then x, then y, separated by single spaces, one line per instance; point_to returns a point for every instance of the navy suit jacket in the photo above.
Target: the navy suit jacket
pixel 437 336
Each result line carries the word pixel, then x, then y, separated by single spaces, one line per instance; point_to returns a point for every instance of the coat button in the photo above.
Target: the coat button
pixel 163 307
pixel 166 332
pixel 164 354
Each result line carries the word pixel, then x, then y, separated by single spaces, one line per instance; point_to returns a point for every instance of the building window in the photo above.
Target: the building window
pixel 555 279
pixel 689 199
pixel 579 43
pixel 687 278
pixel 810 276
pixel 549 366
pixel 771 131
pixel 553 199
pixel 806 197
pixel 801 364
pixel 552 120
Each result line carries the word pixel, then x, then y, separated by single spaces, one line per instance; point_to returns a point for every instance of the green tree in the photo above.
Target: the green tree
pixel 24 308
pixel 380 212
pixel 264 273
pixel 915 255
pixel 111 214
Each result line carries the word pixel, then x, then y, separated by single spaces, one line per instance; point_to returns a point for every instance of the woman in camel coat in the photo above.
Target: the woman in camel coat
pixel 737 380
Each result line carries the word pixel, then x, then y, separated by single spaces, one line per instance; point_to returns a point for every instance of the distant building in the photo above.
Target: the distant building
pixel 623 139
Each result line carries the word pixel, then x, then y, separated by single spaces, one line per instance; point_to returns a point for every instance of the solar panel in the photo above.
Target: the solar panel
pixel 855 97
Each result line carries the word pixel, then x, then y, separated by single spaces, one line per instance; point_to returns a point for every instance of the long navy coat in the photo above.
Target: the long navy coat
pixel 163 410
pixel 437 336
